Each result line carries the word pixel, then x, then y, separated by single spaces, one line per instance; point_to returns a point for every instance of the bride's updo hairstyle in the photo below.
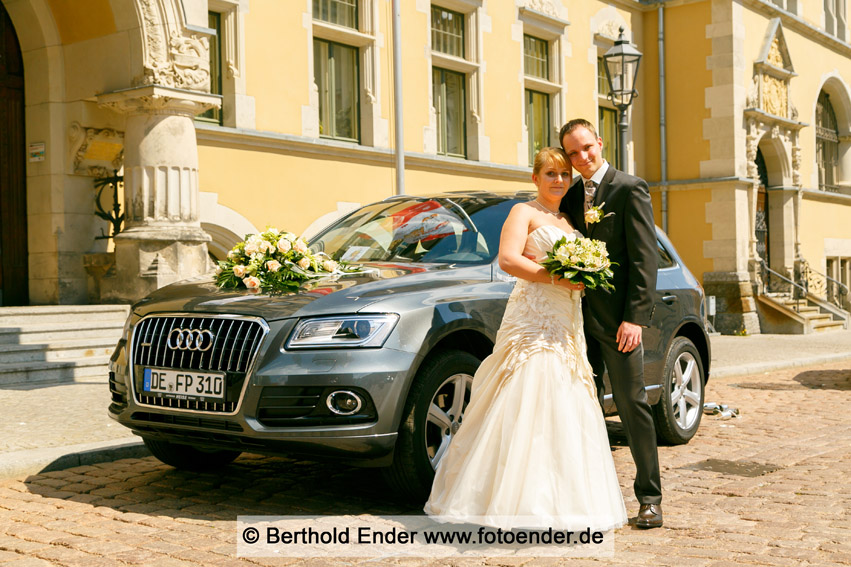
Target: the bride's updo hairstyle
pixel 551 154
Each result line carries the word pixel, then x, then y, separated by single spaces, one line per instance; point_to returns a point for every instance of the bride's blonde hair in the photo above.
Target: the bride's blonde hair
pixel 551 154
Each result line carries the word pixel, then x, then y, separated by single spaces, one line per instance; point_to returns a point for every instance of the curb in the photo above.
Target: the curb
pixel 760 367
pixel 34 461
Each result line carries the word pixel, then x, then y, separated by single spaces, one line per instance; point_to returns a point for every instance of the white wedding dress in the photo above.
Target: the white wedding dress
pixel 532 450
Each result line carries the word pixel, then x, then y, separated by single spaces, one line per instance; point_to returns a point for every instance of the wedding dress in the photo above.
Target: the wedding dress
pixel 532 450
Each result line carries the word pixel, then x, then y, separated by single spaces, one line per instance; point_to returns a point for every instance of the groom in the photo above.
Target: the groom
pixel 613 321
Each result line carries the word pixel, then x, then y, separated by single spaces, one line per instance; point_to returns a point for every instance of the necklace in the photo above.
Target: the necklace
pixel 546 209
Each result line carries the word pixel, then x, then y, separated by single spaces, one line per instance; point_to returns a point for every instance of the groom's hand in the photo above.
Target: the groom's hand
pixel 629 336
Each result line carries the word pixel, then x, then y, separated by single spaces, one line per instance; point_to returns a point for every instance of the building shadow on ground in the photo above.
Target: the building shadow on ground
pixel 826 379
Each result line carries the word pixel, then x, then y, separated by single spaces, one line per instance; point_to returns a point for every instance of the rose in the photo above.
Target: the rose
pixel 272 230
pixel 300 246
pixel 252 282
pixel 329 265
pixel 239 270
pixel 592 215
pixel 273 265
pixel 304 263
pixel 219 270
pixel 284 245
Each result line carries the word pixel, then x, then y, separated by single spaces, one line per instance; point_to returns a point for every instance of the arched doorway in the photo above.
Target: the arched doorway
pixel 14 280
pixel 762 217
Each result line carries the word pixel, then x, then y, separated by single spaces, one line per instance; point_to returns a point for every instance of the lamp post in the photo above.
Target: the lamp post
pixel 621 70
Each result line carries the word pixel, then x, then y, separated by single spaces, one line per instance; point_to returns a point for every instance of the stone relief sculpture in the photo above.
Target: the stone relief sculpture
pixel 172 59
pixel 543 6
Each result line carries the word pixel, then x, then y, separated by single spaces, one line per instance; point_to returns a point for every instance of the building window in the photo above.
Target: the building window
pixel 536 57
pixel 788 5
pixel 537 122
pixel 214 21
pixel 335 71
pixel 340 12
pixel 608 127
pixel 827 143
pixel 449 103
pixel 834 18
pixel 602 81
pixel 447 32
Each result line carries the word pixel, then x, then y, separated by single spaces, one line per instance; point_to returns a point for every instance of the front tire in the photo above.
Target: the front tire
pixel 186 457
pixel 678 412
pixel 433 413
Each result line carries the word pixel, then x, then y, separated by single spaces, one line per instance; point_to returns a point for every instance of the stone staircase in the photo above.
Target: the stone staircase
pixel 779 313
pixel 58 343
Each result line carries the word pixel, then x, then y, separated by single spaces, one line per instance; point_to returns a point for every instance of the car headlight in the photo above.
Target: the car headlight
pixel 342 332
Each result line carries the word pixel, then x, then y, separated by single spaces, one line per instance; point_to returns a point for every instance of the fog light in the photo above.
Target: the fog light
pixel 344 402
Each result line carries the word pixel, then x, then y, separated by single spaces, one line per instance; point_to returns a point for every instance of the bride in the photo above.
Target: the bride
pixel 533 451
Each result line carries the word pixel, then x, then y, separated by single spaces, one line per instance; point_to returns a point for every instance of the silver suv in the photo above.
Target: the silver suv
pixel 373 368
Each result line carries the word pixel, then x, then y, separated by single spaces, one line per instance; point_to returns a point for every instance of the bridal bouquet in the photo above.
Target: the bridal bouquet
pixel 581 260
pixel 274 262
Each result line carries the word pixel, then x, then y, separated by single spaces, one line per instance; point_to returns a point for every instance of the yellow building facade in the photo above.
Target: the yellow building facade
pixel 227 116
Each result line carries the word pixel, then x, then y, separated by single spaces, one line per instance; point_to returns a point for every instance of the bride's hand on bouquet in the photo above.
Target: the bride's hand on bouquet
pixel 564 282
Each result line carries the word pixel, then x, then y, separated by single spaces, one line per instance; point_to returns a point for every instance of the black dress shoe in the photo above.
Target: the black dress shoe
pixel 649 516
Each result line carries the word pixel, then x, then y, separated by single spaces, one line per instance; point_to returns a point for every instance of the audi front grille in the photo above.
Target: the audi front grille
pixel 227 345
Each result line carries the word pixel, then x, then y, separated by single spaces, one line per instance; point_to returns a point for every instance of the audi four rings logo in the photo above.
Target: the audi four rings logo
pixel 200 340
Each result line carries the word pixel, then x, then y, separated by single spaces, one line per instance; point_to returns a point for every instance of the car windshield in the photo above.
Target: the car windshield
pixel 457 230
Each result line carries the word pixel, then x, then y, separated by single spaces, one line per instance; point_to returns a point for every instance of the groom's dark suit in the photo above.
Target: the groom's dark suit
pixel 630 238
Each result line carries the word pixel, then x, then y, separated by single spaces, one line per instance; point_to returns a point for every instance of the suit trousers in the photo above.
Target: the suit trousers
pixel 626 375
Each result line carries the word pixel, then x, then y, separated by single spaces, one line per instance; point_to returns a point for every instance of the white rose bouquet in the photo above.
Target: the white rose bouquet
pixel 274 262
pixel 581 260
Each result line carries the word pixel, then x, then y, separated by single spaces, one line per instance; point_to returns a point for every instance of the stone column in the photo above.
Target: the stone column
pixel 162 240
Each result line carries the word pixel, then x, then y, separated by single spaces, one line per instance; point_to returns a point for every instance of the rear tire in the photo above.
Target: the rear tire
pixel 677 413
pixel 432 415
pixel 186 457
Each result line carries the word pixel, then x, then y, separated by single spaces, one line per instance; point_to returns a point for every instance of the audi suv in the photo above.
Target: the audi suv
pixel 372 368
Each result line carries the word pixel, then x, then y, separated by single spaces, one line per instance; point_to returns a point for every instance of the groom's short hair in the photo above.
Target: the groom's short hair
pixel 573 125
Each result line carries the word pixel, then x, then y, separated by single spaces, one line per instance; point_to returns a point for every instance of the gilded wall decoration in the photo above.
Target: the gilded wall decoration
pixel 774 95
pixel 95 152
pixel 775 56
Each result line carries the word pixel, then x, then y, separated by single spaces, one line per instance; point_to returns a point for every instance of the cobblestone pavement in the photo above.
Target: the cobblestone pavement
pixel 793 422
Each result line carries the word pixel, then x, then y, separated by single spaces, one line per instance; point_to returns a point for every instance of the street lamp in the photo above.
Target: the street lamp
pixel 621 70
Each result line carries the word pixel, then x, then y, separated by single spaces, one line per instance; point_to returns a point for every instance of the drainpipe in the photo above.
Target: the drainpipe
pixel 397 95
pixel 663 127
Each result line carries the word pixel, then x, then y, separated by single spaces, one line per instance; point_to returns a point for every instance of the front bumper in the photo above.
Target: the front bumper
pixel 381 376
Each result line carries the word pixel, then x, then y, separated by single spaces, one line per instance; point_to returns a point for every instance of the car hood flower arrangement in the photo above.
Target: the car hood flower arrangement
pixel 581 260
pixel 274 262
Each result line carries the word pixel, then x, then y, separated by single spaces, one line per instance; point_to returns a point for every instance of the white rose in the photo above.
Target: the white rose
pixel 289 236
pixel 304 263
pixel 571 247
pixel 284 245
pixel 239 270
pixel 273 265
pixel 329 265
pixel 592 216
pixel 300 246
pixel 272 230
pixel 574 259
pixel 252 282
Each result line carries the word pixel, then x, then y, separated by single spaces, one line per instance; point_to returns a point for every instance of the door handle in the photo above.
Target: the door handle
pixel 669 299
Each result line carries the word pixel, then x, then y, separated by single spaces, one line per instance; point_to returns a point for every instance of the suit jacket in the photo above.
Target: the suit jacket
pixel 630 238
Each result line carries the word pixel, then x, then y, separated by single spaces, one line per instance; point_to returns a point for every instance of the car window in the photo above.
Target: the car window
pixel 462 229
pixel 665 259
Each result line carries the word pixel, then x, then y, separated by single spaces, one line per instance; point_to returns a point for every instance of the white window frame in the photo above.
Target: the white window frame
pixel 237 106
pixel 790 6
pixel 835 18
pixel 373 128
pixel 477 146
pixel 553 31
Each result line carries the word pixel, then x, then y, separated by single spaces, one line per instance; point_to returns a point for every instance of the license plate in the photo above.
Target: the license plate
pixel 181 384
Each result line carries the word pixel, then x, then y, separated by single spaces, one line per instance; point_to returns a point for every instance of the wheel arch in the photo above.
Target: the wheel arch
pixel 695 334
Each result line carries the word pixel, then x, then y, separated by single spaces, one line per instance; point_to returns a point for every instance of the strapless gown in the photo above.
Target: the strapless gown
pixel 532 450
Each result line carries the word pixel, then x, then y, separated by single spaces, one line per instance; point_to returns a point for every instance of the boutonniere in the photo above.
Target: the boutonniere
pixel 595 214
